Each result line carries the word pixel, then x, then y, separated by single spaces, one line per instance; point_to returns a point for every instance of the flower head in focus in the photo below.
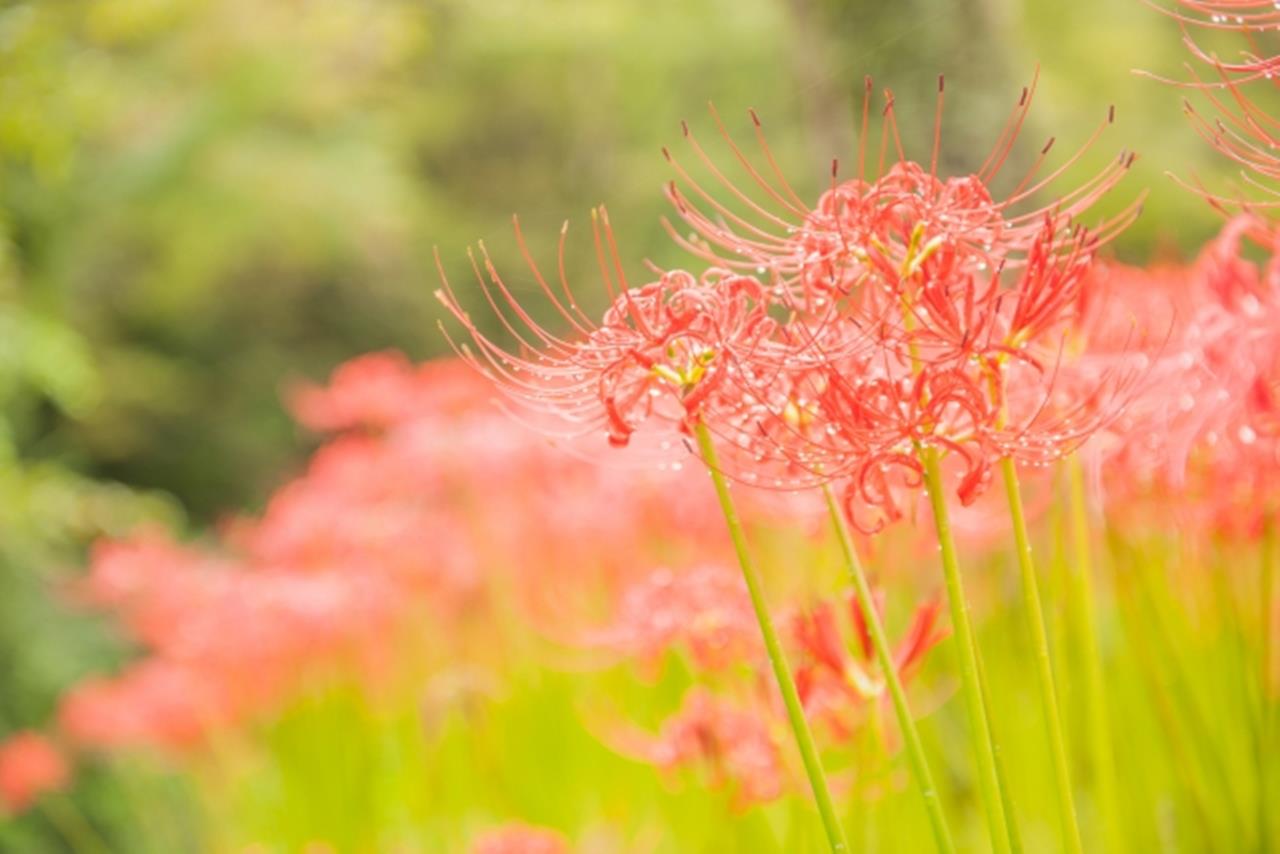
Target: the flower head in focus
pixel 925 311
pixel 674 350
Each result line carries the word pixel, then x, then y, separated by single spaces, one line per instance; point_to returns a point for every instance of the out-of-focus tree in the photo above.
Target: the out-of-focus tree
pixel 213 193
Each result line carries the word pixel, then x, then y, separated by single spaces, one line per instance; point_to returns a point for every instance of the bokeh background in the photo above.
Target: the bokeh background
pixel 202 201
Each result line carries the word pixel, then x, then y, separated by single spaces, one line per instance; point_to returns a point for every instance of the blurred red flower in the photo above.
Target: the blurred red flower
pixel 517 838
pixel 30 766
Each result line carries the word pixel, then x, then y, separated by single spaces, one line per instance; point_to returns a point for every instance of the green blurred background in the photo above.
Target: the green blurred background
pixel 204 200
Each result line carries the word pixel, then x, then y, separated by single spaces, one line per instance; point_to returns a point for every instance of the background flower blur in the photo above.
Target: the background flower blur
pixel 271 579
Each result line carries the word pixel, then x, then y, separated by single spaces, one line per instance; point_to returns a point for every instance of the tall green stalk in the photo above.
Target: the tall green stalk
pixel 884 656
pixel 1085 629
pixel 773 647
pixel 1044 667
pixel 1266 769
pixel 1002 776
pixel 993 796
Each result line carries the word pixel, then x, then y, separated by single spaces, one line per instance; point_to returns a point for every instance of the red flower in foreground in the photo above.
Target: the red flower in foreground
pixel 517 838
pixel 670 350
pixel 30 766
pixel 926 311
pixel 905 310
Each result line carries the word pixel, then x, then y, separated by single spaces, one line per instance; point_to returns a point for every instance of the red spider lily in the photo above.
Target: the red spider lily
pixel 30 766
pixel 155 704
pixel 879 414
pixel 735 746
pixel 672 350
pixel 876 232
pixel 734 736
pixel 889 415
pixel 911 301
pixel 1241 129
pixel 953 305
pixel 835 680
pixel 199 677
pixel 519 838
pixel 1153 305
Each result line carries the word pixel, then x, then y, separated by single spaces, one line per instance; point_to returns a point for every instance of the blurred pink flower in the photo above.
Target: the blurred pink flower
pixel 518 838
pixel 380 390
pixel 30 766
pixel 395 526
pixel 735 746
pixel 1206 426
pixel 704 609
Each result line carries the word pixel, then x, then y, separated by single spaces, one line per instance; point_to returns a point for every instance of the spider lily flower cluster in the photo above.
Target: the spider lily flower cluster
pixel 735 737
pixel 905 318
pixel 518 838
pixel 375 546
pixel 831 342
pixel 370 539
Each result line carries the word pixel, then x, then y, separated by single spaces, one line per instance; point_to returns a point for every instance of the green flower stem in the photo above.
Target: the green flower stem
pixel 782 673
pixel 884 656
pixel 993 797
pixel 1002 775
pixel 868 751
pixel 1266 769
pixel 1095 693
pixel 1044 667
